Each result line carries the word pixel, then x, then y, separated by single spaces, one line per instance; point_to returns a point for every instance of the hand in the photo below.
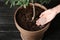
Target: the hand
pixel 46 17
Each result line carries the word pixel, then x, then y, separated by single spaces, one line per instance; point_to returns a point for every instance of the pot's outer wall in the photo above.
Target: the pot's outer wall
pixel 31 35
pixel 8 30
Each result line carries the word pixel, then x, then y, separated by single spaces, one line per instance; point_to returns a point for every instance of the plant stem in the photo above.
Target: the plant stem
pixel 33 10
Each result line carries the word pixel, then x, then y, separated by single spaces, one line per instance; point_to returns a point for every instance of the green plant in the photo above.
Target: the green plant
pixel 25 3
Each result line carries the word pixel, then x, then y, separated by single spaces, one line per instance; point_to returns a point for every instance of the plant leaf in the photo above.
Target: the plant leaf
pixel 6 2
pixel 18 3
pixel 27 2
pixel 44 1
pixel 10 5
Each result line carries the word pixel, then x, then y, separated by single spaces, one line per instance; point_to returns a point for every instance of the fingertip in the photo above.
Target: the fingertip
pixel 37 24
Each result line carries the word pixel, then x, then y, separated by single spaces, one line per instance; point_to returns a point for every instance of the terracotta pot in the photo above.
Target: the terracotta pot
pixel 31 35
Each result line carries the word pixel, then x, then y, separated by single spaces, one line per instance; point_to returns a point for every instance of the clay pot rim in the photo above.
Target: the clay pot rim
pixel 36 4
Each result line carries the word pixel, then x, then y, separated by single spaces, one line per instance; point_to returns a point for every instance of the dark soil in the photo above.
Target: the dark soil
pixel 24 17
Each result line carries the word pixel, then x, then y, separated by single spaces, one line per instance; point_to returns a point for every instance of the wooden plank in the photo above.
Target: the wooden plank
pixel 6 20
pixel 8 28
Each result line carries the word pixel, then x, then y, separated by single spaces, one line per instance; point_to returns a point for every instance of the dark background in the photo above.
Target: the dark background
pixel 8 30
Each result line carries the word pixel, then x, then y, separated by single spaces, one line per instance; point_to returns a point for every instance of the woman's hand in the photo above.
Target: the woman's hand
pixel 46 17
